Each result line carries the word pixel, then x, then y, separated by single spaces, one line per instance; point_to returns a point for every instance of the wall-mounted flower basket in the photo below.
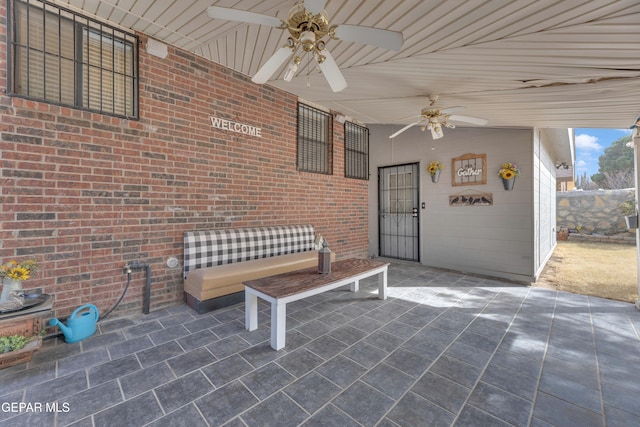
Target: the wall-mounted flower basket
pixel 632 221
pixel 508 173
pixel 628 209
pixel 434 169
pixel 509 183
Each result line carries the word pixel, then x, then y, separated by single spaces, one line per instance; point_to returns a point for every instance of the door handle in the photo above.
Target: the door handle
pixel 415 213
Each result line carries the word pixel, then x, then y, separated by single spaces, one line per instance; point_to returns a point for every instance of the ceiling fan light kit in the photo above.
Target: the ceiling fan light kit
pixel 435 118
pixel 308 25
pixel 292 68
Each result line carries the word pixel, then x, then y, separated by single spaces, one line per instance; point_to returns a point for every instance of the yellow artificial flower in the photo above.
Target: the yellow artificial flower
pixel 434 167
pixel 18 271
pixel 507 174
pixel 508 171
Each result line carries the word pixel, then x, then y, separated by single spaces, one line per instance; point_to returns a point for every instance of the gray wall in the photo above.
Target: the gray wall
pixel 491 240
pixel 594 212
pixel 544 199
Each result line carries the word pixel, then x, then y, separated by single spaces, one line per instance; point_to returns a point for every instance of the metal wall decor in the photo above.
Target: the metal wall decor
pixel 469 169
pixel 475 199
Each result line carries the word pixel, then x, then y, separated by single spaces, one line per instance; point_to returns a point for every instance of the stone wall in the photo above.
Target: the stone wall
pixel 593 215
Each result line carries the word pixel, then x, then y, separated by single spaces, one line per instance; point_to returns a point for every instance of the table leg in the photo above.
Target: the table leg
pixel 278 324
pixel 382 284
pixel 355 286
pixel 250 311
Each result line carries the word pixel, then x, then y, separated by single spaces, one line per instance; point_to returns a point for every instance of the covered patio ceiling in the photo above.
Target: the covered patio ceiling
pixel 545 63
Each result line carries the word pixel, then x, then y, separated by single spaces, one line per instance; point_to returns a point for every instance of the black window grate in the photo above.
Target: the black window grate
pixel 64 58
pixel 356 151
pixel 315 148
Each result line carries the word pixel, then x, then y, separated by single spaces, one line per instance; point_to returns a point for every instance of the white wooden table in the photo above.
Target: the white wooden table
pixel 284 288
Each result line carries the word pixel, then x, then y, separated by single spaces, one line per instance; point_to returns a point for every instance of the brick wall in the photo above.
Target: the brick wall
pixel 84 193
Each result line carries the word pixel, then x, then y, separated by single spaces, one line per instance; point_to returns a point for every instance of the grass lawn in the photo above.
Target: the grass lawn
pixel 604 270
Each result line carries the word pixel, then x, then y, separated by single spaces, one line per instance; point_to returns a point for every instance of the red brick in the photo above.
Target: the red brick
pixel 190 176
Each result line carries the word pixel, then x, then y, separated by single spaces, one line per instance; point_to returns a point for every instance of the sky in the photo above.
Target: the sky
pixel 590 144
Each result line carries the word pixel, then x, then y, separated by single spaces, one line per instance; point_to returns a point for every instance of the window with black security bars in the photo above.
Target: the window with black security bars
pixel 356 151
pixel 64 58
pixel 315 147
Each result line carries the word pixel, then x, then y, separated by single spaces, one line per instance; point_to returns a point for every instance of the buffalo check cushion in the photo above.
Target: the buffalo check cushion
pixel 207 248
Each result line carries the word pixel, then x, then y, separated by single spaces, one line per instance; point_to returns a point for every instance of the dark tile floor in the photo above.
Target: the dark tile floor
pixel 444 349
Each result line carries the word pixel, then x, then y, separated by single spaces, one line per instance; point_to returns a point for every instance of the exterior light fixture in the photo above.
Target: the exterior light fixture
pixel 156 48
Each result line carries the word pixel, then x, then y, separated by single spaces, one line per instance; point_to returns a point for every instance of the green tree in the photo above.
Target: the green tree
pixel 615 165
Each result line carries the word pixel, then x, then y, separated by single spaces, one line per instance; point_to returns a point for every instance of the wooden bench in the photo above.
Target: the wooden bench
pixel 216 262
pixel 288 287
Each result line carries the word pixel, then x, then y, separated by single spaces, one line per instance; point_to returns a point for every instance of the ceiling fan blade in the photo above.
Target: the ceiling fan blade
pixel 410 117
pixel 450 110
pixel 405 128
pixel 228 14
pixel 271 66
pixel 315 6
pixel 473 120
pixel 332 72
pixel 374 36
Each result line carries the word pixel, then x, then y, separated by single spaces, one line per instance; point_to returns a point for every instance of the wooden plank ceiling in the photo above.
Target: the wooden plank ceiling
pixel 545 63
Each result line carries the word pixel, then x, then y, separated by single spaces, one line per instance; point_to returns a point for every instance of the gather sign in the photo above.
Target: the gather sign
pixel 469 169
pixel 237 127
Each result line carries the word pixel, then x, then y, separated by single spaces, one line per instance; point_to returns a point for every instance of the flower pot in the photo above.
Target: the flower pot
pixel 632 221
pixel 10 287
pixel 435 176
pixel 508 183
pixel 21 356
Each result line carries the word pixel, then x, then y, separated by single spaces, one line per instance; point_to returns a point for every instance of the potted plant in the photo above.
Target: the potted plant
pixel 628 209
pixel 18 349
pixel 508 173
pixel 13 274
pixel 434 169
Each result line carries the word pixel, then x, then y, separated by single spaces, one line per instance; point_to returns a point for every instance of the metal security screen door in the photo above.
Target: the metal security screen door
pixel 398 218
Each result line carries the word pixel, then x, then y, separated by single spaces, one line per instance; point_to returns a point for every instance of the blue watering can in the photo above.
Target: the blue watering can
pixel 80 325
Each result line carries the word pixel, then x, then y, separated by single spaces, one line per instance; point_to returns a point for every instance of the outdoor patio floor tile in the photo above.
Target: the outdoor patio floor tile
pixel 312 391
pixel 278 410
pixel 415 411
pixel 137 411
pixel 146 379
pixel 364 403
pixel 341 370
pixel 510 380
pixel 267 380
pixel 559 412
pixel 442 391
pixel 187 416
pixel 330 416
pixel 501 404
pixel 444 349
pixel 225 403
pixel 182 391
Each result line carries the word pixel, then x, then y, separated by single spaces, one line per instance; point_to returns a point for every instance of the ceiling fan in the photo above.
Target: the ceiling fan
pixel 434 118
pixel 308 26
